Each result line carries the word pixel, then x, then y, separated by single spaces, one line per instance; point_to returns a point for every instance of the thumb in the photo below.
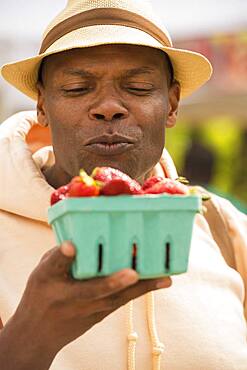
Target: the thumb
pixel 58 262
pixel 68 249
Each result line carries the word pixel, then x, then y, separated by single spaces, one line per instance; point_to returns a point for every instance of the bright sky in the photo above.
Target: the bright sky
pixel 28 18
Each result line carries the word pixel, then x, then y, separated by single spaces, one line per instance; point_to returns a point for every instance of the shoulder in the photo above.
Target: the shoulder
pixel 227 210
pixel 231 214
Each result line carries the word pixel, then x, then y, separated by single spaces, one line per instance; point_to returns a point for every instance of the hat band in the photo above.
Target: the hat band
pixel 104 16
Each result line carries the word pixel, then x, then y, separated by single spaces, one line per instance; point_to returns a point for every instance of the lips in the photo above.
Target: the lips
pixel 109 144
pixel 110 139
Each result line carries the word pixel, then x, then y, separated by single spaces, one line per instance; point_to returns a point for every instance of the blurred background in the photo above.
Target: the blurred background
pixel 209 143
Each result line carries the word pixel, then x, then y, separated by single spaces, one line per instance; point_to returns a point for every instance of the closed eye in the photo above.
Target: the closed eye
pixel 139 87
pixel 139 91
pixel 79 89
pixel 76 91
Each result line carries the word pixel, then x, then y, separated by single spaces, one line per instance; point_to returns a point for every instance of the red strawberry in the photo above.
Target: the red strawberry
pixel 168 186
pixel 151 181
pixel 115 182
pixel 120 186
pixel 78 189
pixel 105 174
pixel 59 194
pixel 115 187
pixel 76 179
pixel 83 186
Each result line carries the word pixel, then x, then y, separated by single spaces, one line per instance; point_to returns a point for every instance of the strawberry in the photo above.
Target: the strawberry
pixel 59 194
pixel 79 189
pixel 115 182
pixel 120 186
pixel 83 186
pixel 168 186
pixel 105 174
pixel 151 181
pixel 76 179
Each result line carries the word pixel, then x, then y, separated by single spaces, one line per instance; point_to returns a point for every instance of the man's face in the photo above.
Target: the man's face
pixel 106 106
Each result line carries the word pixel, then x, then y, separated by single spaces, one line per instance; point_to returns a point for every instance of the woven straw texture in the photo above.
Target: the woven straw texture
pixel 191 69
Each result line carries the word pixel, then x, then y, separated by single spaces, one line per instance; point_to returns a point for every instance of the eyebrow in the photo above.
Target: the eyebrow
pixel 138 71
pixel 128 73
pixel 79 72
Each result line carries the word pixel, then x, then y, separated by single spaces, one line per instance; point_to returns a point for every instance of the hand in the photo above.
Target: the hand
pixel 60 309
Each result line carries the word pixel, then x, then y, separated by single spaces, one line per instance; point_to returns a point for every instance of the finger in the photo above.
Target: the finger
pixel 57 262
pixel 99 288
pixel 67 249
pixel 118 299
pixel 96 312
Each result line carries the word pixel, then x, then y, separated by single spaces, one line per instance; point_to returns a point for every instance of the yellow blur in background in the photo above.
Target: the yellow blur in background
pixel 209 143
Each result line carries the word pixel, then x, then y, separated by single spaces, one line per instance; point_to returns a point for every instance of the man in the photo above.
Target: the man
pixel 108 85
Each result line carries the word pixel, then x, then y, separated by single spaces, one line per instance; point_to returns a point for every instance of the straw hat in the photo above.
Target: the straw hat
pixel 85 23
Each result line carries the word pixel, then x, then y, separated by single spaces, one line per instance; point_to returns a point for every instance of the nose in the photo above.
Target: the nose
pixel 109 109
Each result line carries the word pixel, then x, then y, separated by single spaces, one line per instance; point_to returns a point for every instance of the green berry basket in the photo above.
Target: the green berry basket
pixel 150 233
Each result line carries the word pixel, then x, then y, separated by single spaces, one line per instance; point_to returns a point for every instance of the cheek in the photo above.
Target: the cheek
pixel 67 133
pixel 64 146
pixel 65 118
pixel 154 129
pixel 152 118
pixel 154 144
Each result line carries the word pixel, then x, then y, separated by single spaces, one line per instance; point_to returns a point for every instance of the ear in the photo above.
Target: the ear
pixel 174 97
pixel 41 112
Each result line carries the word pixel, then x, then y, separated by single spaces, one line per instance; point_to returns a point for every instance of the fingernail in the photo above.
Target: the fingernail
pixel 164 283
pixel 128 277
pixel 68 249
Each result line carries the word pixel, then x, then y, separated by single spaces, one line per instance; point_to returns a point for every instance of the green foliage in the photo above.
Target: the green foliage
pixel 223 136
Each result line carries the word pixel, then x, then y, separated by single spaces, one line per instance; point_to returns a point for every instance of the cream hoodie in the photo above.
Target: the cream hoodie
pixel 199 319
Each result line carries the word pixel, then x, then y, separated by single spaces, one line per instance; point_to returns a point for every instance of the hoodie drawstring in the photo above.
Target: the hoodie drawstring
pixel 157 346
pixel 132 338
pixel 165 168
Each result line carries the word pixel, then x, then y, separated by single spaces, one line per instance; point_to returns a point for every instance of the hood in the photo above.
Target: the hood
pixel 23 188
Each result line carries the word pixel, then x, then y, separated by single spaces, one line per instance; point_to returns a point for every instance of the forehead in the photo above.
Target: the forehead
pixel 98 58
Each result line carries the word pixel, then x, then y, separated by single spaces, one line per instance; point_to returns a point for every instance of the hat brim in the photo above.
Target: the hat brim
pixel 191 69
